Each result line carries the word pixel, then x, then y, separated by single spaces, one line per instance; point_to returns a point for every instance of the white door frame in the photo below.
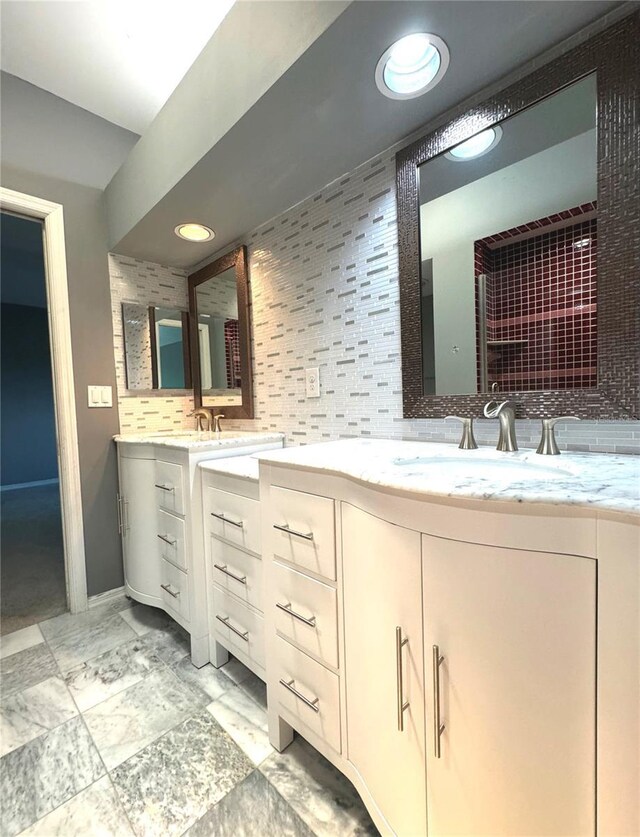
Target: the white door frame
pixel 63 385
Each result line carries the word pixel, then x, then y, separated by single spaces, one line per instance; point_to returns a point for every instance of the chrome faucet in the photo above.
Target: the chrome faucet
pixel 216 422
pixel 203 417
pixel 467 441
pixel 548 445
pixel 506 415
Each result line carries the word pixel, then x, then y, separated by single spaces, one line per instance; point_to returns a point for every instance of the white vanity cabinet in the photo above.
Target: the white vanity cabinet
pixel 487 654
pixel 160 521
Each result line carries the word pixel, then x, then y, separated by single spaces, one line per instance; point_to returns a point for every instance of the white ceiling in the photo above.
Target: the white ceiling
pixel 119 59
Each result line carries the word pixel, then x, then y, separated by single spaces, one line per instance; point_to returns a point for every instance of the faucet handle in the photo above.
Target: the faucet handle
pixel 467 442
pixel 548 445
pixel 216 422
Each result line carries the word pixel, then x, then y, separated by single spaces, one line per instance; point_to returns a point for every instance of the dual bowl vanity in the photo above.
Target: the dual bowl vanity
pixel 456 631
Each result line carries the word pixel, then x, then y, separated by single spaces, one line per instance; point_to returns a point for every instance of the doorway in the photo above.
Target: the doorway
pixel 33 585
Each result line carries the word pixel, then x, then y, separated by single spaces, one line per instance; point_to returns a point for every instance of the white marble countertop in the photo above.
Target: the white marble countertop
pixel 199 440
pixel 246 467
pixel 601 481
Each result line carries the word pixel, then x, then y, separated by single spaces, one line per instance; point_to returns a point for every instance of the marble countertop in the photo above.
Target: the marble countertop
pixel 600 481
pixel 246 467
pixel 198 441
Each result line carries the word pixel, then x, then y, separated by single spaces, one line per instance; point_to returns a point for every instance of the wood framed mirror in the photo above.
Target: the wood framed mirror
pixel 220 335
pixel 452 354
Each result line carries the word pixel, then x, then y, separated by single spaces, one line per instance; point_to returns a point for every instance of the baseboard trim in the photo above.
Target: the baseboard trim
pixel 18 485
pixel 106 597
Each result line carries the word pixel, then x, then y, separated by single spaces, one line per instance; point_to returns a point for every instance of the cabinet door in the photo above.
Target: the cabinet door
pixel 140 531
pixel 383 592
pixel 516 633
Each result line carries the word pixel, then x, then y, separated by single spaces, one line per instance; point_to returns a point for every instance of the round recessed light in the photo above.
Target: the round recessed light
pixel 582 243
pixel 194 232
pixel 412 65
pixel 477 146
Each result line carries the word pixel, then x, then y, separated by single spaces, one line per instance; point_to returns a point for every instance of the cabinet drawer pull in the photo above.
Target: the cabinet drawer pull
pixel 287 609
pixel 167 587
pixel 167 539
pixel 438 727
pixel 119 514
pixel 402 703
pixel 224 519
pixel 308 536
pixel 165 487
pixel 223 569
pixel 312 704
pixel 225 621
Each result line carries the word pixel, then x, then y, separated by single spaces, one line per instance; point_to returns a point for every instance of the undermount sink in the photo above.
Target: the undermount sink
pixel 469 465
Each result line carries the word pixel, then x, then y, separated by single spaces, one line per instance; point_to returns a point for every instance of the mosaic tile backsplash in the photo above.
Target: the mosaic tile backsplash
pixel 324 292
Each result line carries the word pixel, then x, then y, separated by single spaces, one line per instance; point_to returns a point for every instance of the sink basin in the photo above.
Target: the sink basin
pixel 468 465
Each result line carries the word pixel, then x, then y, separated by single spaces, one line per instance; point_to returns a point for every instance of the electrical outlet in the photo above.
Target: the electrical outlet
pixel 312 382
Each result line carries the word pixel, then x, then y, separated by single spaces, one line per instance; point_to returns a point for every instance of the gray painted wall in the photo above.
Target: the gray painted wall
pixel 93 363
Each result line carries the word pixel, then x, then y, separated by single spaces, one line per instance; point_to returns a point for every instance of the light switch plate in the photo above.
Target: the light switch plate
pixel 99 396
pixel 312 382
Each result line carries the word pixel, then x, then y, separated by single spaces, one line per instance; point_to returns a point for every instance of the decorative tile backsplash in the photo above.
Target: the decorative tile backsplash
pixel 324 292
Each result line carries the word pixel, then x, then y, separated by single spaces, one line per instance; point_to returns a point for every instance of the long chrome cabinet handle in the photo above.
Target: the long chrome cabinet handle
pixel 225 621
pixel 167 587
pixel 312 704
pixel 125 514
pixel 238 523
pixel 438 727
pixel 119 514
pixel 308 536
pixel 287 609
pixel 165 487
pixel 402 703
pixel 167 539
pixel 223 569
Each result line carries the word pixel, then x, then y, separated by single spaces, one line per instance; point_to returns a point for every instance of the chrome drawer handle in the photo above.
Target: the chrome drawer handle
pixel 225 621
pixel 308 536
pixel 167 587
pixel 438 727
pixel 223 569
pixel 238 523
pixel 287 609
pixel 120 525
pixel 402 703
pixel 312 704
pixel 167 539
pixel 165 487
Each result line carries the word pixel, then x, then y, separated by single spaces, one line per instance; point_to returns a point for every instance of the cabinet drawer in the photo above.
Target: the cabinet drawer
pixel 304 530
pixel 317 702
pixel 238 625
pixel 234 518
pixel 300 600
pixel 169 486
pixel 174 588
pixel 236 571
pixel 171 539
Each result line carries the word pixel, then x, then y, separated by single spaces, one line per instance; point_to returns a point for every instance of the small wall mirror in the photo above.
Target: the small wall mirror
pixel 508 240
pixel 220 342
pixel 157 353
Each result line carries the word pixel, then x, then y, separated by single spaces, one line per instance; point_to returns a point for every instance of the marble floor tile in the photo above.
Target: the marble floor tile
pixel 132 719
pixel 111 672
pixel 209 682
pixel 324 798
pixel 170 784
pixel 27 714
pixel 236 670
pixel 96 812
pixel 143 618
pixel 252 809
pixel 20 640
pixel 44 773
pixel 171 643
pixel 75 639
pixel 26 668
pixel 246 723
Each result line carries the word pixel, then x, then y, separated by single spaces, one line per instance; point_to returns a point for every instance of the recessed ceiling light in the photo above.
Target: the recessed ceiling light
pixel 412 65
pixel 194 232
pixel 477 146
pixel 582 243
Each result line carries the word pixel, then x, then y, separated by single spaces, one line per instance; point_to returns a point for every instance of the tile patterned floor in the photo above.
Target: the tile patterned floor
pixel 107 729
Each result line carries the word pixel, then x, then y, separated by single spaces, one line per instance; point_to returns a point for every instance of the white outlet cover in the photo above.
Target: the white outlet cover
pixel 312 382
